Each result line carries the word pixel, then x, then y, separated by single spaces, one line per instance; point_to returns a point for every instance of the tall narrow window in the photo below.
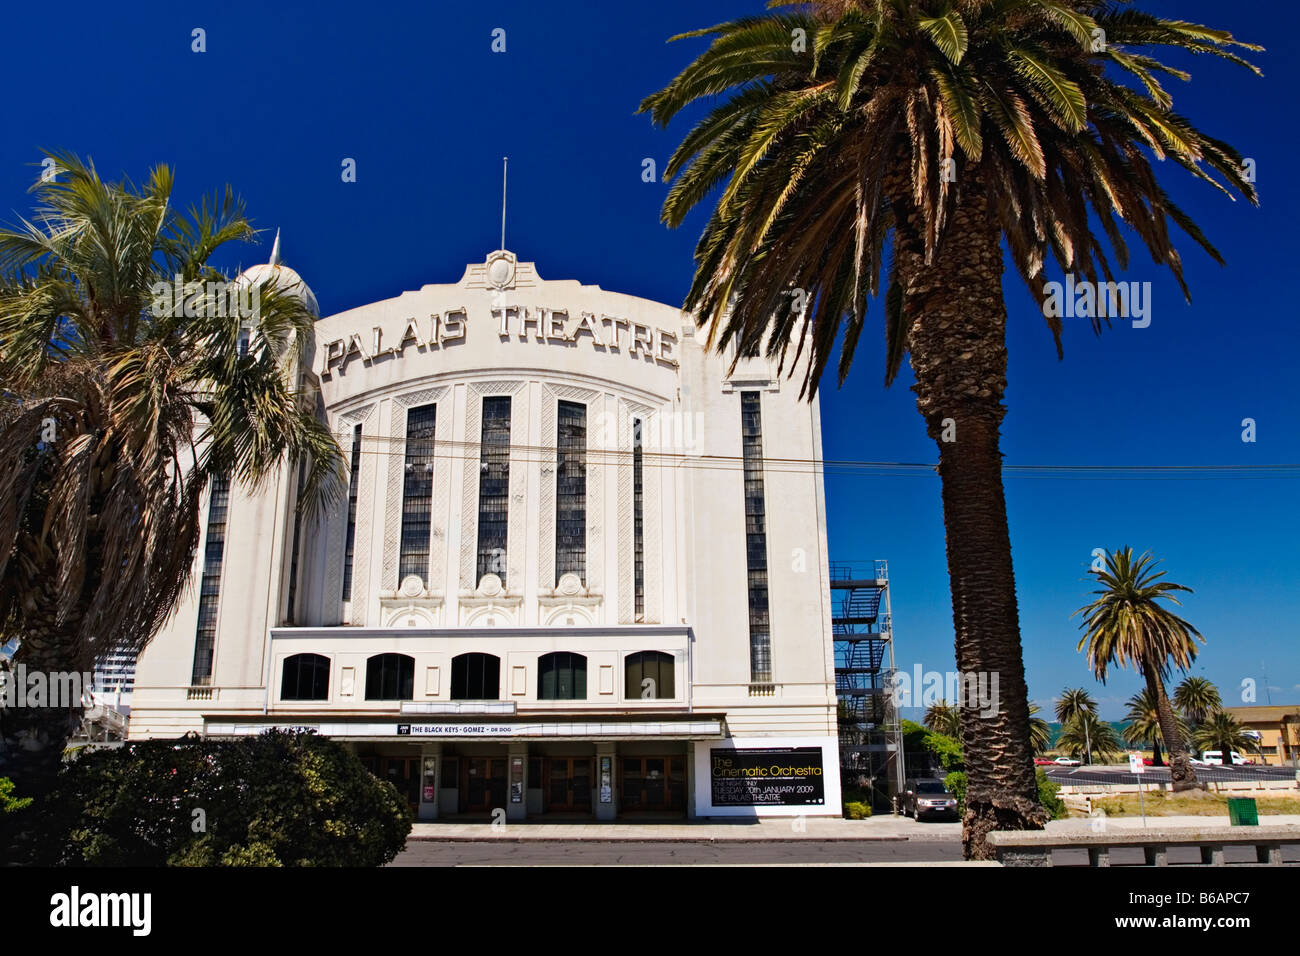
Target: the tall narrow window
pixel 638 524
pixel 571 491
pixel 417 493
pixel 760 638
pixel 205 635
pixel 494 488
pixel 354 480
pixel 291 610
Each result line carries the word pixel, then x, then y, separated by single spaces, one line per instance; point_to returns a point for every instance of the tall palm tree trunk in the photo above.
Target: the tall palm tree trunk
pixel 32 739
pixel 956 320
pixel 1157 759
pixel 1181 773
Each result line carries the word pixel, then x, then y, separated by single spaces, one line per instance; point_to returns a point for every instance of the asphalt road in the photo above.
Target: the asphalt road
pixel 677 853
pixel 1121 774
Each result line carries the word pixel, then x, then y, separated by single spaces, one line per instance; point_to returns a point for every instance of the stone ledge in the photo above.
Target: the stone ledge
pixel 1180 836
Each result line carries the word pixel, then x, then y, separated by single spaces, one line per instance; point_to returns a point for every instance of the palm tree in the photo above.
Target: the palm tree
pixel 118 409
pixel 921 134
pixel 944 718
pixel 1144 725
pixel 1126 626
pixel 1072 702
pixel 1087 734
pixel 1197 698
pixel 1222 731
pixel 1040 733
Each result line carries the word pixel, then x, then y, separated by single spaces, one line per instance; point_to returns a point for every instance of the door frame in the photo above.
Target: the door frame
pixel 667 810
pixel 547 807
pixel 413 768
pixel 466 760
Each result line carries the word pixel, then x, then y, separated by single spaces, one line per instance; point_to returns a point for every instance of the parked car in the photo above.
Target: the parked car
pixel 1214 758
pixel 1044 762
pixel 928 798
pixel 1068 762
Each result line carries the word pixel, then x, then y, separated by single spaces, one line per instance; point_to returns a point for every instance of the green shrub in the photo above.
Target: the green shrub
pixel 1047 796
pixel 946 750
pixel 278 799
pixel 956 784
pixel 8 802
pixel 857 810
pixel 855 795
pixel 1047 793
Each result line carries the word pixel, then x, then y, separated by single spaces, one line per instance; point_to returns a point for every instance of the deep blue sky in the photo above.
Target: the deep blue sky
pixel 417 98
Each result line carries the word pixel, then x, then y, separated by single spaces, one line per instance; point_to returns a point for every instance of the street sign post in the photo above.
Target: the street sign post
pixel 1136 766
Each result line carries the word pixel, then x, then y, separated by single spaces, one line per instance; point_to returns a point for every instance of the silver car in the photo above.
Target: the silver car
pixel 928 798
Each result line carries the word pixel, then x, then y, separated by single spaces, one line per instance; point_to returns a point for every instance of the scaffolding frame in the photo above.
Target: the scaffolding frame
pixel 870 731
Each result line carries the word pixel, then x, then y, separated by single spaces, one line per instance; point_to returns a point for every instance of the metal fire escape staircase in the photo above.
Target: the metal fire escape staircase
pixel 871 737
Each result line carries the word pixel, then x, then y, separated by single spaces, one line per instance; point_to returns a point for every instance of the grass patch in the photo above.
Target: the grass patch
pixel 1198 803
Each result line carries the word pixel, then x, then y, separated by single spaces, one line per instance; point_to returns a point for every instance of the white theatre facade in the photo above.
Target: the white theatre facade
pixel 580 568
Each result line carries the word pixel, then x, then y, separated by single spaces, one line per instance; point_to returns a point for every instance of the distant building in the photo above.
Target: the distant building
pixel 114 680
pixel 1278 728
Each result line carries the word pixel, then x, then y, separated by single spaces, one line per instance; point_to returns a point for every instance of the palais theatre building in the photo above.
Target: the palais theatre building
pixel 580 569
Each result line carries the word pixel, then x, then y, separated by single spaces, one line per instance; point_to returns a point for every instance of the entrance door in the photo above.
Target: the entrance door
pixel 482 784
pixel 654 784
pixel 404 774
pixel 568 784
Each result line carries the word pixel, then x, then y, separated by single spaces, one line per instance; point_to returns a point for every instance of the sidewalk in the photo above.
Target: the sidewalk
pixel 766 830
pixel 778 829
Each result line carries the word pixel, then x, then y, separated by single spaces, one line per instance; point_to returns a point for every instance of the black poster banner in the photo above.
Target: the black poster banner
pixel 780 776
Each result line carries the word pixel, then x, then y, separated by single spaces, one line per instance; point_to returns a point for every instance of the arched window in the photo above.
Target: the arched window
pixel 562 676
pixel 475 677
pixel 649 675
pixel 390 677
pixel 306 677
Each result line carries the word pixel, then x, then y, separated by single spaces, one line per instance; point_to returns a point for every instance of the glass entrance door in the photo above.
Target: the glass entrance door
pixel 483 784
pixel 656 784
pixel 404 774
pixel 568 784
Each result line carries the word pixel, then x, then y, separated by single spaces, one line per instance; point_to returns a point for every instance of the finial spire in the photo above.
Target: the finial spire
pixel 504 160
pixel 275 249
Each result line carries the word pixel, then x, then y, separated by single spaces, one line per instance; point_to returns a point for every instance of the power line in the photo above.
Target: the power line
pixel 451 450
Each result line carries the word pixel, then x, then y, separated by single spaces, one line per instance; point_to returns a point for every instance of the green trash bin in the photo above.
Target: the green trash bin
pixel 1243 812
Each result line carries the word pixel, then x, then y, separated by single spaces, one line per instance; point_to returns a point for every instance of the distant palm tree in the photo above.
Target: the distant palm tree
pixel 1222 731
pixel 1040 732
pixel 1144 725
pixel 886 149
pixel 1087 734
pixel 1126 626
pixel 944 718
pixel 119 406
pixel 1072 702
pixel 1197 698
